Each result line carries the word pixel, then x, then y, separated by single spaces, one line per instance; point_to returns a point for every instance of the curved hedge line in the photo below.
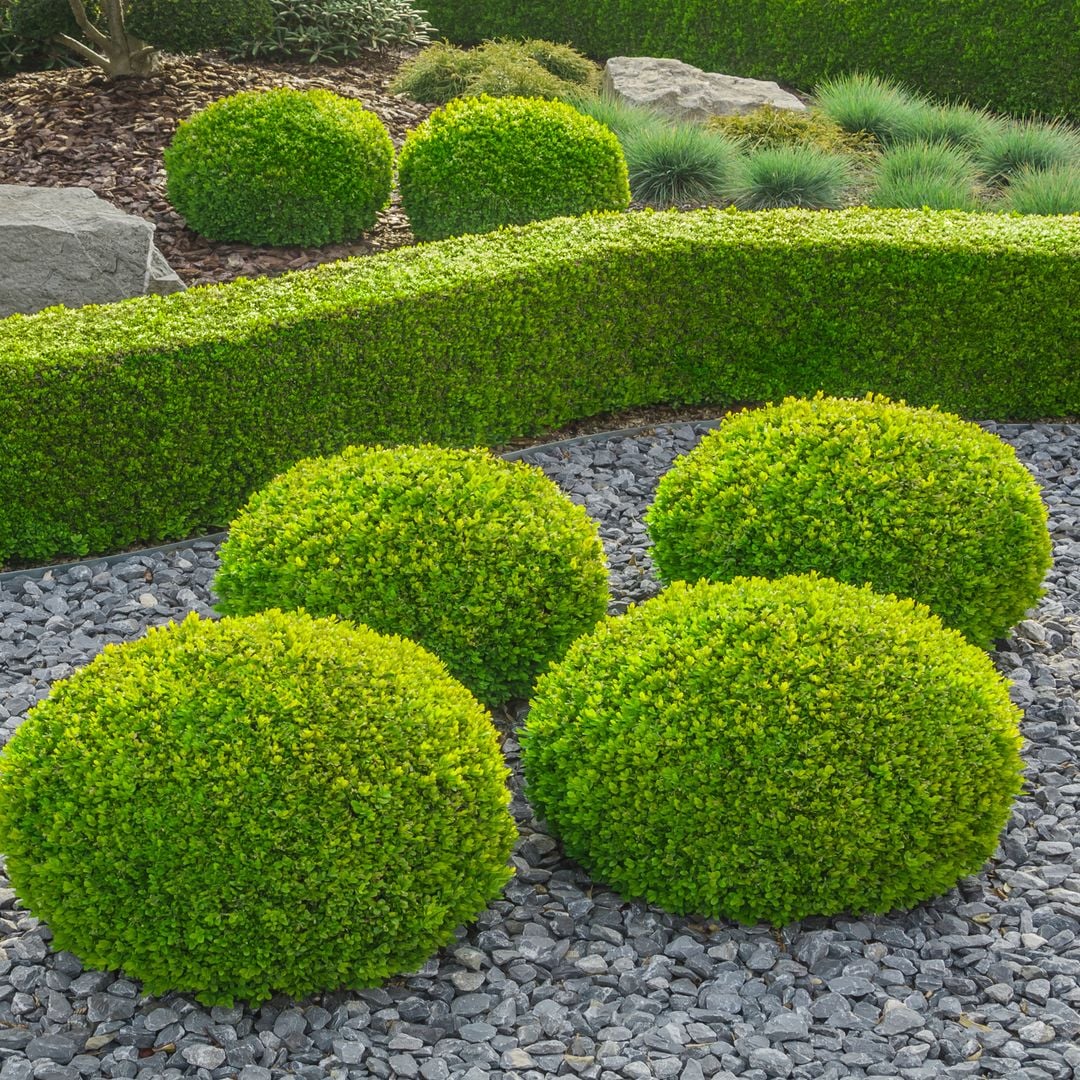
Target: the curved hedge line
pixel 143 420
pixel 1013 55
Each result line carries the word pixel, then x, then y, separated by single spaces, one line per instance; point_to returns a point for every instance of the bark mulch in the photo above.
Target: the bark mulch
pixel 74 127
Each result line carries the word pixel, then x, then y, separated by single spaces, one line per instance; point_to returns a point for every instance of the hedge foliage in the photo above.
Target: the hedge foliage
pixel 478 163
pixel 768 750
pixel 182 26
pixel 914 501
pixel 281 167
pixel 1014 55
pixel 485 562
pixel 269 804
pixel 143 420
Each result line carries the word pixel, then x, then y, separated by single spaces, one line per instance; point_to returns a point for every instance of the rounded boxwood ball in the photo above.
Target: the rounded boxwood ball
pixel 281 167
pixel 478 163
pixel 771 749
pixel 917 502
pixel 485 562
pixel 268 804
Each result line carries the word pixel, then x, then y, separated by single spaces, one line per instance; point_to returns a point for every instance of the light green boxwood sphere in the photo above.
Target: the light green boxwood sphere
pixel 281 167
pixel 485 562
pixel 917 502
pixel 772 749
pixel 268 804
pixel 478 163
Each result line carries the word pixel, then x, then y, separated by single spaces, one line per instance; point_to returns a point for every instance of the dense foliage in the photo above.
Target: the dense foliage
pixel 1015 55
pixel 914 501
pixel 124 38
pixel 256 805
pixel 149 418
pixel 336 31
pixel 281 167
pixel 768 750
pixel 499 68
pixel 478 163
pixel 483 561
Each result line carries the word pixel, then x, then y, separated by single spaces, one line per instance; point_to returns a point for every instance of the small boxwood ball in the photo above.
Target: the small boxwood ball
pixel 772 749
pixel 281 167
pixel 267 804
pixel 485 562
pixel 917 502
pixel 478 163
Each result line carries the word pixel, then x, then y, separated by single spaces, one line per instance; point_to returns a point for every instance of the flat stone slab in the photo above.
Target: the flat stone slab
pixel 67 246
pixel 684 92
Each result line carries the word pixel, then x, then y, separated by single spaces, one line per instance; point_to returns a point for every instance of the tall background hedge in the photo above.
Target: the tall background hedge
pixel 148 418
pixel 1016 56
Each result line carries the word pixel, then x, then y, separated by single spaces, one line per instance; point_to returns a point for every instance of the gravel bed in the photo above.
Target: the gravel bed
pixel 561 977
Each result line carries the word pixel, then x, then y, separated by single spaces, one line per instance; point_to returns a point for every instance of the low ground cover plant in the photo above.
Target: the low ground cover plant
pixel 768 127
pixel 478 163
pixel 915 501
pixel 499 68
pixel 768 750
pixel 281 167
pixel 485 562
pixel 362 785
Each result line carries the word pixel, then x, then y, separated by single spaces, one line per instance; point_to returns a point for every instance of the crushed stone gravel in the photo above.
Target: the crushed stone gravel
pixel 561 977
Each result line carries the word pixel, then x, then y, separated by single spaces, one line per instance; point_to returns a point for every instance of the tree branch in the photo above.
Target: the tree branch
pixel 78 9
pixel 83 50
pixel 114 12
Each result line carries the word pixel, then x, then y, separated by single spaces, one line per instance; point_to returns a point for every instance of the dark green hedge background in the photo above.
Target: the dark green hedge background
pixel 143 420
pixel 1014 55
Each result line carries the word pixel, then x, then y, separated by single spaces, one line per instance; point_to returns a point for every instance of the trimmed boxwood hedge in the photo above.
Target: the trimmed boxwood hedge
pixel 146 419
pixel 1014 55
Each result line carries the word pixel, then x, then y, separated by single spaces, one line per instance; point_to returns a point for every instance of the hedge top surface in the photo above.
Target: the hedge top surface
pixel 915 501
pixel 486 562
pixel 255 805
pixel 772 749
pixel 152 325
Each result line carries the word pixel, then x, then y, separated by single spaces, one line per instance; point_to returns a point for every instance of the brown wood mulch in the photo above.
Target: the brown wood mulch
pixel 74 127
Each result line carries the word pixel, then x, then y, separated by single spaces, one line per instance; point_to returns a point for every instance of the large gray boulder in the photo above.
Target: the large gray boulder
pixel 688 93
pixel 67 246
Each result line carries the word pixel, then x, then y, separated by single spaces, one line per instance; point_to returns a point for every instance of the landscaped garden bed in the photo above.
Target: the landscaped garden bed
pixel 283 803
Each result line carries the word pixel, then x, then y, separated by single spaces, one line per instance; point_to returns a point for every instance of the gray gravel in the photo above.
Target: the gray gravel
pixel 561 977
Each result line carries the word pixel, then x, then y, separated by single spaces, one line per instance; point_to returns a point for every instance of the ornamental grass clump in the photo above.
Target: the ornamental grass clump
pixel 281 167
pixel 766 750
pixel 479 163
pixel 789 176
pixel 914 501
pixel 931 174
pixel 483 561
pixel 1027 144
pixel 869 103
pixel 1045 191
pixel 252 806
pixel 953 125
pixel 673 164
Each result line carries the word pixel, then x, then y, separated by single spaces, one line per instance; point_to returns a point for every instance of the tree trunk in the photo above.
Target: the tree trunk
pixel 118 52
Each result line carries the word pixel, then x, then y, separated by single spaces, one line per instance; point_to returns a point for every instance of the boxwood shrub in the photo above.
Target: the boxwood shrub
pixel 478 163
pixel 281 167
pixel 914 501
pixel 485 562
pixel 773 749
pixel 149 418
pixel 242 807
pixel 1013 55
